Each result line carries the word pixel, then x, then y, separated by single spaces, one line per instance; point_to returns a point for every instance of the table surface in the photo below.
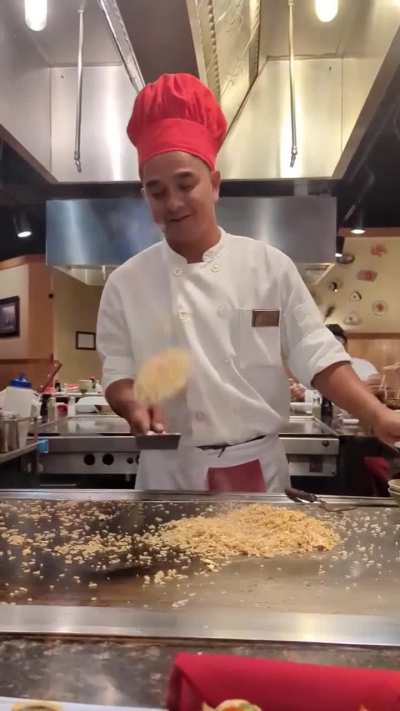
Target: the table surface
pixel 136 672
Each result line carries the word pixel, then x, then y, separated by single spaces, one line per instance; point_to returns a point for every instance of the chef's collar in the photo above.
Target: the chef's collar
pixel 176 259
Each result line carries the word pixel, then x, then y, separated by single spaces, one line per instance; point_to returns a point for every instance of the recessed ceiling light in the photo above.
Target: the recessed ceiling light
pixel 36 14
pixel 326 10
pixel 22 225
pixel 358 231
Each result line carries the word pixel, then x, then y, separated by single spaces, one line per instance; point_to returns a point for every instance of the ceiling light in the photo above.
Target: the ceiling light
pixel 22 225
pixel 357 223
pixel 339 246
pixel 36 14
pixel 326 10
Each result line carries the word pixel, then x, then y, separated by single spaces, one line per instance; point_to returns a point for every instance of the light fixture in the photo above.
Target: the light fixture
pixel 339 246
pixel 326 10
pixel 22 225
pixel 36 14
pixel 358 224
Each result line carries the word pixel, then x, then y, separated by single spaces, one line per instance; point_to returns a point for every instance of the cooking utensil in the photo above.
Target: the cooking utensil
pixel 305 497
pixel 158 441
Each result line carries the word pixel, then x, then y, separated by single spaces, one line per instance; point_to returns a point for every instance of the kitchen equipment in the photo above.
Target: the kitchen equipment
pixel 306 497
pixel 311 447
pixel 157 441
pixel 50 376
pixel 394 489
pixel 13 432
pixel 85 385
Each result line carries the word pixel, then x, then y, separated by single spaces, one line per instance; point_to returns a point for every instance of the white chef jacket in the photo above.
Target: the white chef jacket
pixel 239 387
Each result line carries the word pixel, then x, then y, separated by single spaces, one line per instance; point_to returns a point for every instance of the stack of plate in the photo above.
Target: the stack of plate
pixel 394 489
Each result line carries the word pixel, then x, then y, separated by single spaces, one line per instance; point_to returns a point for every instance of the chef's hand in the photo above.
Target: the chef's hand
pixel 144 420
pixel 141 418
pixel 386 426
pixel 297 392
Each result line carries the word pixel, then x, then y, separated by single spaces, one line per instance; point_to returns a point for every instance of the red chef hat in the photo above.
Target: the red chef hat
pixel 177 113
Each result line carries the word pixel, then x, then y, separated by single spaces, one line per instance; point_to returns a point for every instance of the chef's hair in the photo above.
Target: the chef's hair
pixel 337 331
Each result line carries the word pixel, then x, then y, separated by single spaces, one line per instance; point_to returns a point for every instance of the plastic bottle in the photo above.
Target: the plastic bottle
pixel 19 397
pixel 71 407
pixel 52 409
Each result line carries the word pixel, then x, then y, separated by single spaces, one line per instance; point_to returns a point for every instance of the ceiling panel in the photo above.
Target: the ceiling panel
pixel 58 42
pixel 312 37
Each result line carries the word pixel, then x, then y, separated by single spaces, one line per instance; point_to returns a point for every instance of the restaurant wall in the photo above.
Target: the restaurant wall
pixel 363 296
pixel 75 309
pixel 380 351
pixel 30 352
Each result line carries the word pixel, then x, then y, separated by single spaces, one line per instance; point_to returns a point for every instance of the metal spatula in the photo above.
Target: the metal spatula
pixel 158 441
pixel 305 497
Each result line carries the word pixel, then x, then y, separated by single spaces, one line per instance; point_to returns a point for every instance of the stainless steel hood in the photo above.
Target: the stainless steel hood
pixel 87 238
pixel 239 48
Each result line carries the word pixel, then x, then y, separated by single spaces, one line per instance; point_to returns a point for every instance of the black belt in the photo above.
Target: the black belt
pixel 223 447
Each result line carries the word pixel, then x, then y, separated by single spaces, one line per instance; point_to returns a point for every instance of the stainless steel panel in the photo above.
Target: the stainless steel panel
pixel 58 41
pixel 85 426
pixel 25 87
pixel 258 145
pixel 306 426
pixel 357 630
pixel 160 33
pixel 302 227
pixel 97 444
pixel 311 446
pixel 106 152
pixel 98 232
pixel 236 26
pixel 89 462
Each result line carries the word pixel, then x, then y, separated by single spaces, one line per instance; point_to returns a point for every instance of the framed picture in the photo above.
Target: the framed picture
pixel 85 341
pixel 9 317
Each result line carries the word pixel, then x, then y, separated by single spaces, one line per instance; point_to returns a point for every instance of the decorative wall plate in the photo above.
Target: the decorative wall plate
pixel 367 275
pixel 379 308
pixel 352 319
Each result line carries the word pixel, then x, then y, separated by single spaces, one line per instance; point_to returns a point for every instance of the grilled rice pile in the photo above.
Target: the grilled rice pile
pixel 255 530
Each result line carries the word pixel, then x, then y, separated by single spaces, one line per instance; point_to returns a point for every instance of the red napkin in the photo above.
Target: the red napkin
pixel 279 686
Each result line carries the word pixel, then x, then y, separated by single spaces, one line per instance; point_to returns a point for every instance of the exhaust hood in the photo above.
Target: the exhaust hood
pixel 239 48
pixel 87 238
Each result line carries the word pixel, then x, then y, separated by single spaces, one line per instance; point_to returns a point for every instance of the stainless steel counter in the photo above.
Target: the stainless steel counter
pixel 89 445
pixel 347 596
pixel 112 425
pixel 86 426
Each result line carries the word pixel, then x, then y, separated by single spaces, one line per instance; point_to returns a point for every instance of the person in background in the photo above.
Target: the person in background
pixel 365 370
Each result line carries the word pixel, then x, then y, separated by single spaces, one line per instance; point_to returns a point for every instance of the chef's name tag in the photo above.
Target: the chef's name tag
pixel 265 319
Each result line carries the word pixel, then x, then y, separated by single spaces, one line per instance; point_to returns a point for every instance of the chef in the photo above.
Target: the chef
pixel 237 304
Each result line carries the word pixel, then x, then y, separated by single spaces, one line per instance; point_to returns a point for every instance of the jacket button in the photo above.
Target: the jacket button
pixel 215 267
pixel 178 271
